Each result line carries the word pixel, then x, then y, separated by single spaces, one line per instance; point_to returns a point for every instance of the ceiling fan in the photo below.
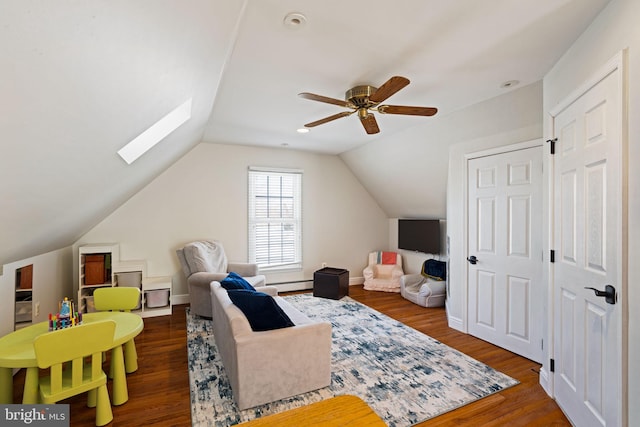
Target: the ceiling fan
pixel 365 99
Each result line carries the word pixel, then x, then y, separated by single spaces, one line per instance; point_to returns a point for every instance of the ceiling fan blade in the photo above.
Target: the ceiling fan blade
pixel 320 98
pixel 369 123
pixel 410 111
pixel 388 88
pixel 328 119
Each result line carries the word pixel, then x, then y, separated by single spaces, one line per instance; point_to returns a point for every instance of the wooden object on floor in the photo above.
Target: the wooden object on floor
pixel 338 411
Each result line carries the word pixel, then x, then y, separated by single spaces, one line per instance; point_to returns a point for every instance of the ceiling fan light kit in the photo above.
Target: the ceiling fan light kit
pixel 365 100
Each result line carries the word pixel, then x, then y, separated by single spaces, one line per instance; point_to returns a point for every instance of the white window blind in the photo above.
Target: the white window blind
pixel 275 218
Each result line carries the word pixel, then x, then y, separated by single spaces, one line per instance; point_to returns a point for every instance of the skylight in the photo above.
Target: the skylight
pixel 156 133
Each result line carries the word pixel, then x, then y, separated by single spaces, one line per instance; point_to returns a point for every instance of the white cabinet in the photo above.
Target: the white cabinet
pixel 95 270
pixel 156 296
pixel 130 274
pixel 101 263
pixel 24 304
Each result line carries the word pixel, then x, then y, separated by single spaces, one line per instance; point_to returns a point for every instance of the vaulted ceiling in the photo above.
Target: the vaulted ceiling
pixel 81 79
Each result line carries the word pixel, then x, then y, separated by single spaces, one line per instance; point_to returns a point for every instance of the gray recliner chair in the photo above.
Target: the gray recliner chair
pixel 205 261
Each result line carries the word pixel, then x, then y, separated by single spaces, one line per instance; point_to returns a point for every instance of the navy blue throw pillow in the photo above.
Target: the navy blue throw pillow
pixel 434 269
pixel 261 310
pixel 235 281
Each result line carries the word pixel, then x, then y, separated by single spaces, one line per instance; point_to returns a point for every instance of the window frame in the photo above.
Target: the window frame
pixel 253 221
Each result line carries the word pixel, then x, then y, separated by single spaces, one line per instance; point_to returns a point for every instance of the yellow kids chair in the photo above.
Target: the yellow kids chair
pixel 120 299
pixel 73 345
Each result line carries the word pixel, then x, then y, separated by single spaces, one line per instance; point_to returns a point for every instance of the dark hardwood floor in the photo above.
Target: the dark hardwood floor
pixel 525 404
pixel 159 389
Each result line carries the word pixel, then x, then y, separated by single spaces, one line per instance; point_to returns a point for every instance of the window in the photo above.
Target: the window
pixel 275 218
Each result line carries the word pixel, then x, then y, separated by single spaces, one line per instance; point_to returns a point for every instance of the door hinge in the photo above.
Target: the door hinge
pixel 552 256
pixel 552 145
pixel 552 365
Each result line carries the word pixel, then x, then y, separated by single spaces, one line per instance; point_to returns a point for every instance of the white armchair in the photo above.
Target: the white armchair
pixel 204 262
pixel 423 291
pixel 383 272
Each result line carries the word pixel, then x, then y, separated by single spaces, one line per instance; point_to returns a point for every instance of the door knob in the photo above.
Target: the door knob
pixel 609 293
pixel 472 260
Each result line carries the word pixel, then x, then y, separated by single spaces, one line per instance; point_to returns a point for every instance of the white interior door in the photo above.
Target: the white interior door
pixel 586 238
pixel 505 224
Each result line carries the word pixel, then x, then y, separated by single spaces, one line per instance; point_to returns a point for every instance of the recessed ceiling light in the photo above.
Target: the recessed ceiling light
pixel 509 83
pixel 295 20
pixel 303 130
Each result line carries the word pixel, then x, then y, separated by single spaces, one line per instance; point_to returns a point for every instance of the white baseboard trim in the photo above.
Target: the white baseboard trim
pixel 545 381
pixel 302 285
pixel 282 287
pixel 356 281
pixel 456 323
pixel 180 299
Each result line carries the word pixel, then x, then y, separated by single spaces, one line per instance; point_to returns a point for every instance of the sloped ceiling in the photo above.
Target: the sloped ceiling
pixel 82 78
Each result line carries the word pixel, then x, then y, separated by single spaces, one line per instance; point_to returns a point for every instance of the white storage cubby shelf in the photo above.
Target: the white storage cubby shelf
pixel 24 305
pixel 100 266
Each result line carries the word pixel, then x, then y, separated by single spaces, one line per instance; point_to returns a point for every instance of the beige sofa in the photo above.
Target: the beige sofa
pixel 270 365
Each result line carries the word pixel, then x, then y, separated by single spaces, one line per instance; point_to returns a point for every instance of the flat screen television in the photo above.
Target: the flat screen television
pixel 422 235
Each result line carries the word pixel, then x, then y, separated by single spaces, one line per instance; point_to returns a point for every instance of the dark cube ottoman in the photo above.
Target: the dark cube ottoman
pixel 331 283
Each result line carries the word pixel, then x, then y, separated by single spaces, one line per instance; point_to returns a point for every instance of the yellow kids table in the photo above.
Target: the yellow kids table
pixel 16 351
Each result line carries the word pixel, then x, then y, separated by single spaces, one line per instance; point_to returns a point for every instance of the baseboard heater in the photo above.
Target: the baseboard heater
pixel 293 285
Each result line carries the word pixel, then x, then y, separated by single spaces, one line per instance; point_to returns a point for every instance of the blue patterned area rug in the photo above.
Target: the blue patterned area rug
pixel 405 376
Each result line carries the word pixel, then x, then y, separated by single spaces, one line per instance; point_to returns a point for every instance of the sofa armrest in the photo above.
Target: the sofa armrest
pixel 204 278
pixel 199 292
pixel 410 280
pixel 269 290
pixel 396 272
pixel 368 272
pixel 245 269
pixel 433 288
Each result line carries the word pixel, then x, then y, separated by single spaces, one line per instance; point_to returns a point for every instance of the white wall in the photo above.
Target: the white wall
pixel 615 29
pixel 204 195
pixel 52 281
pixel 508 119
pixel 407 172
